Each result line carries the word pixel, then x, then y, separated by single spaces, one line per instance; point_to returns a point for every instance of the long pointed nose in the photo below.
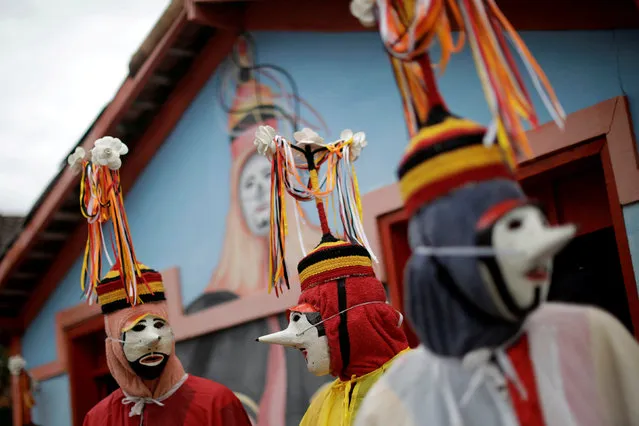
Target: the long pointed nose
pixel 550 242
pixel 285 337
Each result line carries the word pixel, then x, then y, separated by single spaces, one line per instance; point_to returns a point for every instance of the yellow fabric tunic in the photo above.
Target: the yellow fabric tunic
pixel 333 407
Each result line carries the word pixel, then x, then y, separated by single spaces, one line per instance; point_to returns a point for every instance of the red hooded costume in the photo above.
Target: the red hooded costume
pixel 363 332
pixel 139 342
pixel 366 337
pixel 174 398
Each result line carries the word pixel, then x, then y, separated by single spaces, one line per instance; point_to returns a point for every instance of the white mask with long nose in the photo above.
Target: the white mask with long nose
pixel 303 334
pixel 147 343
pixel 525 245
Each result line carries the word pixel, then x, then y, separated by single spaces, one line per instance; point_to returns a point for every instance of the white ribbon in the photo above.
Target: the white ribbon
pixel 399 322
pixel 139 402
pixel 463 251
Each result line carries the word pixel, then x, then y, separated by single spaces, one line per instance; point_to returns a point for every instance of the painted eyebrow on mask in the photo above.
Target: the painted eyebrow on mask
pixel 139 326
pixel 314 318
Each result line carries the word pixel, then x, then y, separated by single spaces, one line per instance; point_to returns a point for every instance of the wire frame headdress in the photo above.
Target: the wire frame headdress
pixel 102 203
pixel 408 29
pixel 295 169
pixel 274 91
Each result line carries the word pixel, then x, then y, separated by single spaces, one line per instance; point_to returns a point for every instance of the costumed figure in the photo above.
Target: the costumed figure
pixel 154 389
pixel 25 385
pixel 342 324
pixel 271 383
pixel 491 353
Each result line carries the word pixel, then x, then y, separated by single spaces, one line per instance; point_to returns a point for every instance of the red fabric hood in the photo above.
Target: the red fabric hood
pixel 371 336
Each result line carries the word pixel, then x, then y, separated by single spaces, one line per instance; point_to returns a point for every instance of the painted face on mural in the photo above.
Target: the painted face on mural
pixel 254 196
pixel 525 246
pixel 147 345
pixel 307 334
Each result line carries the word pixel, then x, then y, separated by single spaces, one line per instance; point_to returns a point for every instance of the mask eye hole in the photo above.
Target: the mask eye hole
pixel 159 324
pixel 139 327
pixel 514 224
pixel 296 317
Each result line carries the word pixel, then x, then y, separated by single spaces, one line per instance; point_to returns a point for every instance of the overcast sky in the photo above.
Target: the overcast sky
pixel 61 61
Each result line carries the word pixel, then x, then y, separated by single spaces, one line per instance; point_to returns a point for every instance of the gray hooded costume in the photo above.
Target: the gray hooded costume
pixel 467 316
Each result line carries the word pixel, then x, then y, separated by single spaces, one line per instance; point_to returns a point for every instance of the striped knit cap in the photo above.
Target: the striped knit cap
pixel 333 259
pixel 112 294
pixel 447 154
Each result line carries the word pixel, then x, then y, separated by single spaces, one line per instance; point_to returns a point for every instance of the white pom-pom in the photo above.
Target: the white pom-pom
pixel 358 142
pixel 308 136
pixel 264 140
pixel 346 134
pixel 107 152
pixel 16 365
pixel 364 11
pixel 76 159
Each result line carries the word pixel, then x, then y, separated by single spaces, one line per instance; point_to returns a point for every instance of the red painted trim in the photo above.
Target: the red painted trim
pixel 15 348
pixel 322 16
pixel 621 236
pixel 376 203
pixel 16 395
pixel 609 119
pixel 560 158
pixel 221 15
pixel 390 227
pixel 385 224
pixel 624 158
pixel 48 371
pixel 82 387
pixel 335 16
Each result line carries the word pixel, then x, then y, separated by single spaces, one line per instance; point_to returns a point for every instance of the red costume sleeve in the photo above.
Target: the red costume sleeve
pixel 232 414
pixel 226 408
pixel 229 411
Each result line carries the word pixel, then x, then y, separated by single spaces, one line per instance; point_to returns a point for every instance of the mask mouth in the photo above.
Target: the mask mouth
pixel 538 273
pixel 152 360
pixel 150 366
pixel 304 352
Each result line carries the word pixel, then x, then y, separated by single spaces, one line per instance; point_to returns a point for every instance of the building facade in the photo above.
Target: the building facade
pixel 196 209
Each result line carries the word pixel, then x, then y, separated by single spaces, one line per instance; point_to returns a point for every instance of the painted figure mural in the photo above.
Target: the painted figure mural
pixel 271 383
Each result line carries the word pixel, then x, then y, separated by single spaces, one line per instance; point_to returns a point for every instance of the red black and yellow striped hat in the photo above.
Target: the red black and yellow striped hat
pixel 333 259
pixel 112 293
pixel 444 155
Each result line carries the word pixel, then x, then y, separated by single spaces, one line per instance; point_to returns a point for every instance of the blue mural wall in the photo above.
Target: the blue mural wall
pixel 178 205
